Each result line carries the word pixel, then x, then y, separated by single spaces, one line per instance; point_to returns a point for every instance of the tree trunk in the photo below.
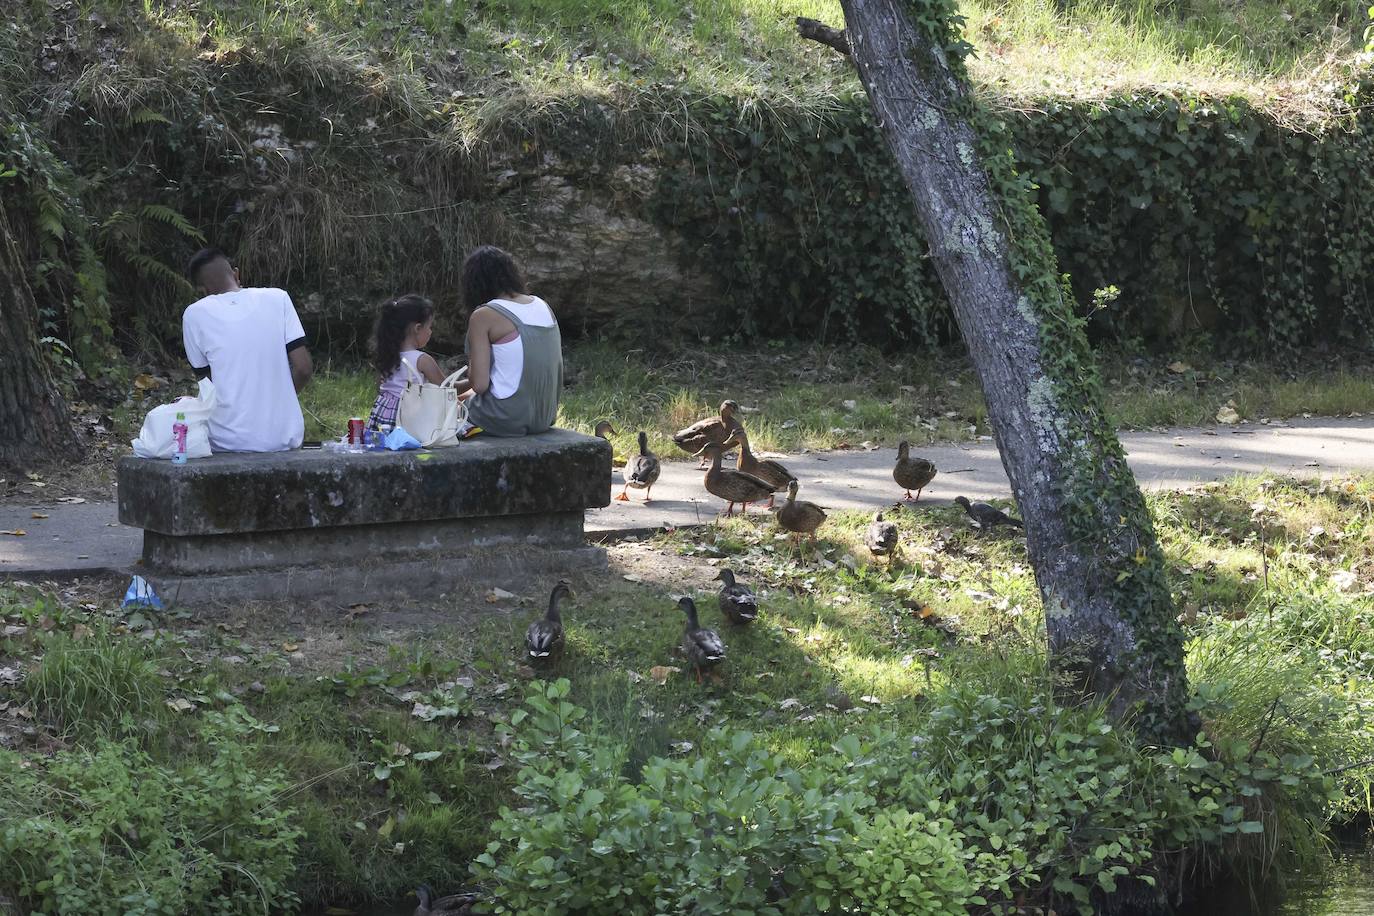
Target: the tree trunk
pixel 1108 611
pixel 34 425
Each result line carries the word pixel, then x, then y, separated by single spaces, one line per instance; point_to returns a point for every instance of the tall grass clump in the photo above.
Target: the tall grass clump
pixel 97 683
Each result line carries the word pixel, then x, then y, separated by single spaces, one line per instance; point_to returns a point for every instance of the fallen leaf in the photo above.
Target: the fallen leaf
pixel 71 500
pixel 289 647
pixel 790 703
pixel 1228 415
pixel 661 673
pixel 399 749
pixel 388 825
pixel 180 704
pixel 17 532
pixel 38 515
pixel 425 756
pixel 1178 367
pixel 498 594
pixel 80 631
pixel 871 700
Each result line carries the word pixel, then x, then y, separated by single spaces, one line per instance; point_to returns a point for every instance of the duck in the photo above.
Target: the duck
pixel 881 538
pixel 798 516
pixel 544 638
pixel 912 473
pixel 452 905
pixel 766 469
pixel 703 648
pixel 642 470
pixel 711 430
pixel 604 430
pixel 737 602
pixel 733 486
pixel 987 517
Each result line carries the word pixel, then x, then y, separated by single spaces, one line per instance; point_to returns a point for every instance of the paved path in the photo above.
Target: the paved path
pixel 87 537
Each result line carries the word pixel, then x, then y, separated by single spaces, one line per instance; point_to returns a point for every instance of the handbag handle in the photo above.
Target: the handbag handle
pixel 455 378
pixel 413 371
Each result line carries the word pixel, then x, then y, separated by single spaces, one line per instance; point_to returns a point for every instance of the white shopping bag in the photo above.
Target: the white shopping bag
pixel 156 439
pixel 433 414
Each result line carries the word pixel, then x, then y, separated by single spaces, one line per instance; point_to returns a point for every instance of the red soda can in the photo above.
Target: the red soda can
pixel 355 431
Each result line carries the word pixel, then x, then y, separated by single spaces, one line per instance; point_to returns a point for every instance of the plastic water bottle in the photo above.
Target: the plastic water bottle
pixel 179 430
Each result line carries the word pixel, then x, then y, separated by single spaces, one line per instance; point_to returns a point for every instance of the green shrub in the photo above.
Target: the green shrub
pixel 96 684
pixel 997 799
pixel 898 862
pixel 108 831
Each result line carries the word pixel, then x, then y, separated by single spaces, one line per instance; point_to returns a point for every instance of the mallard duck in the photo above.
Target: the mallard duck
pixel 733 486
pixel 604 430
pixel 798 516
pixel 766 469
pixel 881 538
pixel 987 517
pixel 703 647
pixel 912 473
pixel 737 602
pixel 711 430
pixel 544 638
pixel 452 905
pixel 642 470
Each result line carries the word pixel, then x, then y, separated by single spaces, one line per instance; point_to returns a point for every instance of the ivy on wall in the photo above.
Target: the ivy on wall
pixel 1208 214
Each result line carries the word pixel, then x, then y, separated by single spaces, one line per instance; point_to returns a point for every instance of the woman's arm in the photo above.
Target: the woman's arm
pixel 428 366
pixel 479 350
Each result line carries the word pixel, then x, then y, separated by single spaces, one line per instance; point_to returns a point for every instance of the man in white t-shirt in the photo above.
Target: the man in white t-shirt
pixel 250 343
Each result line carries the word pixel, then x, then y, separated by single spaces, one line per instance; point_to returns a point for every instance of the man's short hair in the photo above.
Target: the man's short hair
pixel 201 260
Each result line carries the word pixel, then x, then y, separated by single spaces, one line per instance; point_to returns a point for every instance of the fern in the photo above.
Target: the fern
pixel 148 116
pixel 170 217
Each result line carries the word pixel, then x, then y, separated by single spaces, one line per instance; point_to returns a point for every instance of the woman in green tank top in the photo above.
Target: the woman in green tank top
pixel 514 349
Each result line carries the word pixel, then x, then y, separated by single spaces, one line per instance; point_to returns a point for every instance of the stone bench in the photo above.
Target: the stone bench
pixel 314 524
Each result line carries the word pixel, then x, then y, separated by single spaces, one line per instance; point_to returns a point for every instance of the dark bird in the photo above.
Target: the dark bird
pixel 987 516
pixel 452 905
pixel 881 537
pixel 703 647
pixel 737 602
pixel 712 430
pixel 912 473
pixel 799 516
pixel 604 429
pixel 764 469
pixel 733 486
pixel 642 470
pixel 544 638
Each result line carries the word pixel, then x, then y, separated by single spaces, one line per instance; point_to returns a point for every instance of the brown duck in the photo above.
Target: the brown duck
pixel 712 430
pixel 882 536
pixel 912 473
pixel 798 516
pixel 733 486
pixel 765 469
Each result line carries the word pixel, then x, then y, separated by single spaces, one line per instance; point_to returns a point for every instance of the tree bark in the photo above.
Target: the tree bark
pixel 1109 615
pixel 35 427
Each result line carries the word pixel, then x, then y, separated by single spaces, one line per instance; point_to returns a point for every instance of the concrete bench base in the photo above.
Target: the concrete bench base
pixel 376 581
pixel 312 525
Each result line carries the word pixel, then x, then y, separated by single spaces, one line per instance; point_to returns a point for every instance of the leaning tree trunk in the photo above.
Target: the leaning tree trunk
pixel 34 425
pixel 1108 610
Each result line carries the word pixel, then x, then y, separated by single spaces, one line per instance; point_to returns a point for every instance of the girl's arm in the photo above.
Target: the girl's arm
pixel 479 351
pixel 428 366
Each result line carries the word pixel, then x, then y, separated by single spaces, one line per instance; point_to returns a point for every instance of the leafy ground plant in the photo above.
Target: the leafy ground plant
pixel 393 736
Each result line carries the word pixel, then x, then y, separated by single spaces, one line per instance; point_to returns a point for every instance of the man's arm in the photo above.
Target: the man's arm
pixel 302 367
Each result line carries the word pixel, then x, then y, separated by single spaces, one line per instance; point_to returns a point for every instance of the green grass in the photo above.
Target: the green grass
pixel 552 49
pixel 843 642
pixel 795 397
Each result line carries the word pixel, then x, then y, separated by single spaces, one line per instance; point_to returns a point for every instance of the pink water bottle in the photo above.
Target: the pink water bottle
pixel 179 430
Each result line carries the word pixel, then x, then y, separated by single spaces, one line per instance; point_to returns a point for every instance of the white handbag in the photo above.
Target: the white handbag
pixel 156 440
pixel 433 414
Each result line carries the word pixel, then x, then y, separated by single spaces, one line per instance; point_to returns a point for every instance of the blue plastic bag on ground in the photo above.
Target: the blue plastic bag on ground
pixel 141 594
pixel 398 440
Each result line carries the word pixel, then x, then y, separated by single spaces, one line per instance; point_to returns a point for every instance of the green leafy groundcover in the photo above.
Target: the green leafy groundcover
pixel 106 829
pixel 1206 213
pixel 994 801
